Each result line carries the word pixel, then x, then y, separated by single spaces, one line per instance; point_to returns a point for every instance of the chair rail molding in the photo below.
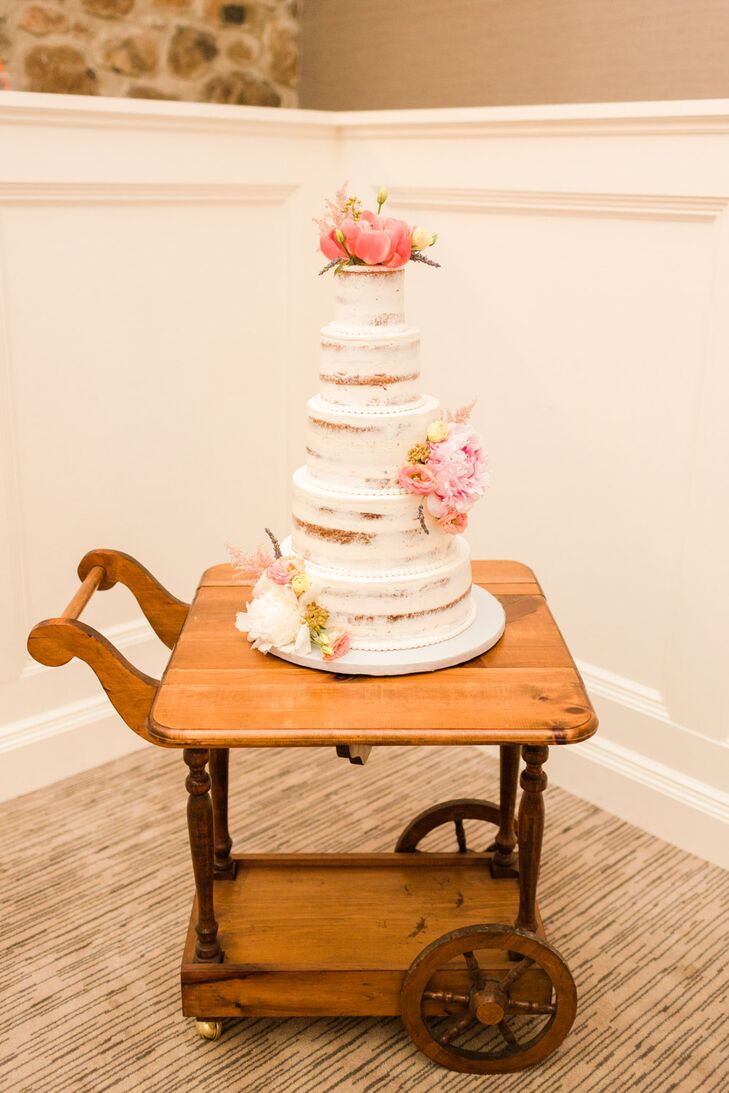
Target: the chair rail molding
pixel 65 192
pixel 688 207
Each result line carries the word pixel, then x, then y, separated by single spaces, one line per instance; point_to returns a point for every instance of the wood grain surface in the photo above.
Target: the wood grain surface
pixel 218 692
pixel 335 933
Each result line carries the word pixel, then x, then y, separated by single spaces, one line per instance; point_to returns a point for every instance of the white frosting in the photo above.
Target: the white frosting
pixel 365 533
pixel 363 450
pixel 400 610
pixel 383 576
pixel 367 298
pixel 381 370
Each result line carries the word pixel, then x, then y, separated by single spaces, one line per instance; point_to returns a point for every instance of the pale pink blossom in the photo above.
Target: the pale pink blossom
pixel 453 523
pixel 458 465
pixel 417 478
pixel 339 643
pixel 283 569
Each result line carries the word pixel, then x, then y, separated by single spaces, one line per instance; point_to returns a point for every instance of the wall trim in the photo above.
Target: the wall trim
pixel 707 800
pixel 686 207
pixel 668 118
pixel 144 193
pixel 86 112
pixel 626 692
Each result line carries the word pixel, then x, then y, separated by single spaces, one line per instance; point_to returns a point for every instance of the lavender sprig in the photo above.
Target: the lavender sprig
pixel 275 543
pixel 418 256
pixel 421 518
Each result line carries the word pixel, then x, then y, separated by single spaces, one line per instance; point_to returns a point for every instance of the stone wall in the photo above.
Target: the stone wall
pixel 200 50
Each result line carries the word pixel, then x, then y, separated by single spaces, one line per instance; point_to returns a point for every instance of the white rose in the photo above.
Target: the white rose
pixel 271 618
pixel 303 639
pixel 420 239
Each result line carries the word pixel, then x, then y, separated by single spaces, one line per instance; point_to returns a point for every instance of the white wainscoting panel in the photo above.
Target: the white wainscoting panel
pixel 159 314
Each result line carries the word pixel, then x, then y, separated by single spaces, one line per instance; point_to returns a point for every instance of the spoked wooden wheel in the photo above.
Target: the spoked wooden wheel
pixel 469 1008
pixel 455 812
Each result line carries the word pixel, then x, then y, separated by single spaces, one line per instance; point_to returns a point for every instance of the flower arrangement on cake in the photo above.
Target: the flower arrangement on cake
pixel 351 235
pixel 283 611
pixel 447 469
pixel 376 575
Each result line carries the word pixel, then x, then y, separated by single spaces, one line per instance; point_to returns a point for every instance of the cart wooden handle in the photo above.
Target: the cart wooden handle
pixel 58 640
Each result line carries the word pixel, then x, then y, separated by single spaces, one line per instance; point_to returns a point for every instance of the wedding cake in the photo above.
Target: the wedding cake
pixel 376 560
pixel 387 572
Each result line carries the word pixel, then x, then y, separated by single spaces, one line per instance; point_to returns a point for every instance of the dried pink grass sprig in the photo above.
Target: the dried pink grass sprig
pixel 462 414
pixel 334 211
pixel 248 566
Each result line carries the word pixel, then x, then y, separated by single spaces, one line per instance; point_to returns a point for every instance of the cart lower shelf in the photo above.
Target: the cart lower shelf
pixel 334 934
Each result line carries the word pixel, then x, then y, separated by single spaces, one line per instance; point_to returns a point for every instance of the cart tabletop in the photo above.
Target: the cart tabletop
pixel 218 692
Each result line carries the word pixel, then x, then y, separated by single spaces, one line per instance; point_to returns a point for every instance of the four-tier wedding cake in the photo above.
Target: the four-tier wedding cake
pixel 376 562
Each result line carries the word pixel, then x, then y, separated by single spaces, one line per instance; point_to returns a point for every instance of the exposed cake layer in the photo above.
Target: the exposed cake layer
pixel 380 369
pixel 372 533
pixel 399 612
pixel 367 298
pixel 363 450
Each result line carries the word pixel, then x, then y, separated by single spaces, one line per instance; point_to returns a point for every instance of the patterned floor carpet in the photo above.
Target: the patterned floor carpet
pixel 96 888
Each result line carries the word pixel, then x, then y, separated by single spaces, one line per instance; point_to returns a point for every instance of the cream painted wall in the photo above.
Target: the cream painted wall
pixel 160 312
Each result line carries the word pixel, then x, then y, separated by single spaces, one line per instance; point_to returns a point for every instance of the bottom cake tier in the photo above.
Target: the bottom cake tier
pixel 400 610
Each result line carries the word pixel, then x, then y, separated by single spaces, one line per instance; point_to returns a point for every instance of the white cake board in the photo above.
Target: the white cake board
pixel 485 630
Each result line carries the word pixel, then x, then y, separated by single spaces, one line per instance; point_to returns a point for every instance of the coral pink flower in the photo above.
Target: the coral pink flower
pixel 283 569
pixel 329 245
pixel 339 645
pixel 453 523
pixel 374 240
pixel 417 478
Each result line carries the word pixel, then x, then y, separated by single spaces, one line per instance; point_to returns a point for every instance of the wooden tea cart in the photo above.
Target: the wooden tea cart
pixel 452 942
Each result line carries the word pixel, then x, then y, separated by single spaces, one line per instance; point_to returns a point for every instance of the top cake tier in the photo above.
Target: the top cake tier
pixel 368 298
pixel 369 356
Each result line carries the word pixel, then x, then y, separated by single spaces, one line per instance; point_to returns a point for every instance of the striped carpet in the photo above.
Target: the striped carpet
pixel 96 886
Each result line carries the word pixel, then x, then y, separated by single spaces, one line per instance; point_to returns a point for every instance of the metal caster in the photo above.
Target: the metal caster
pixel 209 1030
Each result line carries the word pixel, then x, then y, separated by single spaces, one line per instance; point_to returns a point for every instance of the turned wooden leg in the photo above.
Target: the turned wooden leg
pixel 224 866
pixel 531 830
pixel 503 862
pixel 200 827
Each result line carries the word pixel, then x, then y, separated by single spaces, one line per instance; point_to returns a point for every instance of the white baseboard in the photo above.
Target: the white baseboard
pixel 618 769
pixel 71 737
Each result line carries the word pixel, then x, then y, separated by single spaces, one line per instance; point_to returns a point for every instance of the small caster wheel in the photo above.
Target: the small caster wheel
pixel 209 1030
pixel 466 1008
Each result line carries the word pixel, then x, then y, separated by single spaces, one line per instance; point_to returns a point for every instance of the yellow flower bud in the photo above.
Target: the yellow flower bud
pixel 300 582
pixel 381 196
pixel 339 235
pixel 437 431
pixel 420 239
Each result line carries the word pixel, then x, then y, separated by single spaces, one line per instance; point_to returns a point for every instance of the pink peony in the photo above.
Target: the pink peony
pixel 329 245
pixel 417 478
pixel 339 644
pixel 283 569
pixel 458 465
pixel 374 240
pixel 453 523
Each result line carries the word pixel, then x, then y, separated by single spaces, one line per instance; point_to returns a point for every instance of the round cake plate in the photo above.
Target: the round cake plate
pixel 485 630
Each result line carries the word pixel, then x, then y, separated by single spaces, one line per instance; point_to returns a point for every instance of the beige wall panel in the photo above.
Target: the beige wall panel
pixel 387 54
